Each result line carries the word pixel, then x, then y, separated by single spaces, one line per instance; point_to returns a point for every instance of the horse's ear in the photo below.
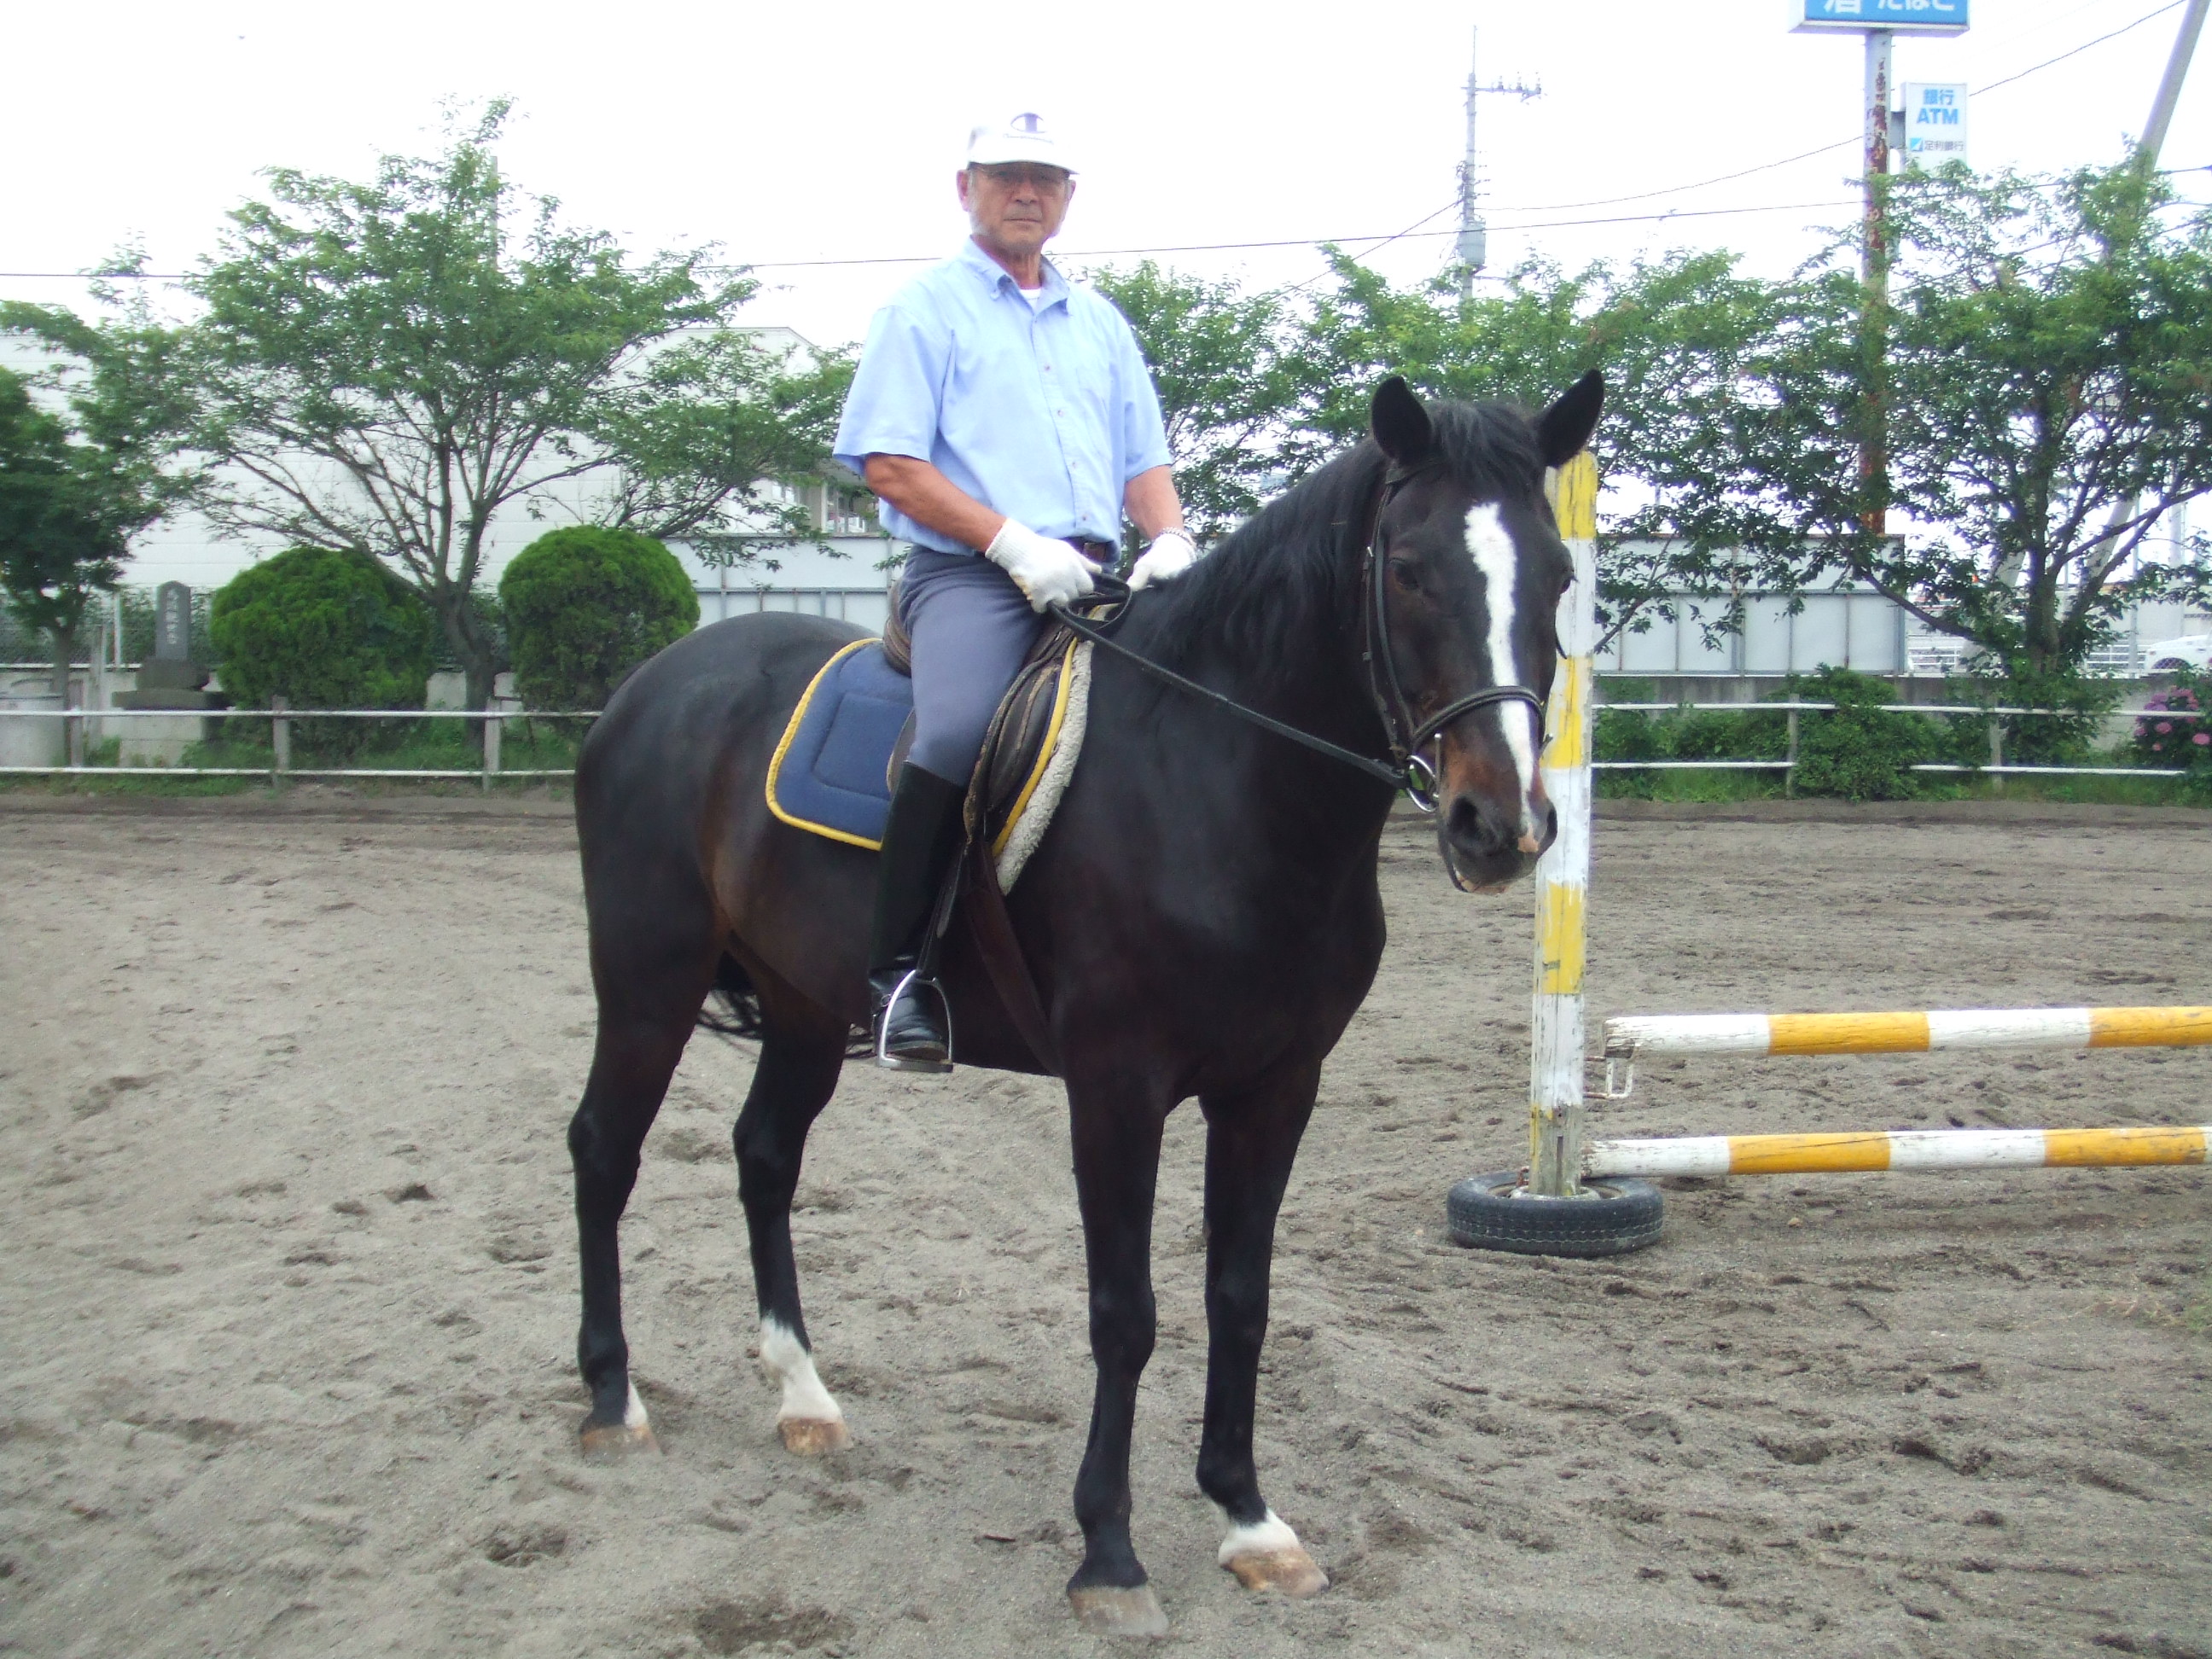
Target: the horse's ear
pixel 1563 431
pixel 1401 422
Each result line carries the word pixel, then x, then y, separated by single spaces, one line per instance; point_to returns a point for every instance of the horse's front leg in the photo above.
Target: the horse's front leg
pixel 1251 1138
pixel 1116 1124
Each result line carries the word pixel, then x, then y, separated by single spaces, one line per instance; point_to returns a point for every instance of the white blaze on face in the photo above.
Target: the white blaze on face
pixel 784 1358
pixel 1494 554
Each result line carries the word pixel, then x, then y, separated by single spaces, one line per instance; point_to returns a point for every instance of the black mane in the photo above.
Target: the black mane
pixel 1296 562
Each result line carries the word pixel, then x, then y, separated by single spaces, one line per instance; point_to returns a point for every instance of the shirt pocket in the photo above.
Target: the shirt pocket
pixel 991 395
pixel 1087 362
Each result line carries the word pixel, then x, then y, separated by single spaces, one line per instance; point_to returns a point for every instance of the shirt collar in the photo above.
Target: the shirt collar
pixel 998 279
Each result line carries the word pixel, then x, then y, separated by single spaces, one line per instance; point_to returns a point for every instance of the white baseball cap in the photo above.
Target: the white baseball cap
pixel 1021 137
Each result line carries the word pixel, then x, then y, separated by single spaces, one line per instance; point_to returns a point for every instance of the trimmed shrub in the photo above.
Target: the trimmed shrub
pixel 586 605
pixel 323 629
pixel 1858 751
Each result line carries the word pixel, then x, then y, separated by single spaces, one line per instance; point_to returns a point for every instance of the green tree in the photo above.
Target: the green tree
pixel 707 423
pixel 586 605
pixel 1232 394
pixel 389 364
pixel 60 541
pixel 1674 337
pixel 90 455
pixel 324 629
pixel 1258 389
pixel 2048 397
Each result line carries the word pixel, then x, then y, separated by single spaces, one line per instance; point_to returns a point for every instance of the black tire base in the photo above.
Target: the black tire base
pixel 1624 1214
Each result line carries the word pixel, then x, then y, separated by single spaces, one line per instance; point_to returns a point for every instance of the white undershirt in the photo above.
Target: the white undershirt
pixel 1034 296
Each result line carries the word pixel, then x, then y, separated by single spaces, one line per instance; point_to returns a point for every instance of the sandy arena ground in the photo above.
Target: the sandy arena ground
pixel 289 1307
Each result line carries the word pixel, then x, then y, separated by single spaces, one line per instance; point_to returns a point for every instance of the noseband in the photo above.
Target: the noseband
pixel 1408 768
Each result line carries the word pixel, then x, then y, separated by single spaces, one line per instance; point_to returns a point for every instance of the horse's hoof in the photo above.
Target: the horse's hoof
pixel 610 1442
pixel 1290 1570
pixel 1105 1611
pixel 814 1436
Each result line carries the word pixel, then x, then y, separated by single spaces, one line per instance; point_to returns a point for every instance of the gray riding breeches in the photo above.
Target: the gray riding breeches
pixel 971 626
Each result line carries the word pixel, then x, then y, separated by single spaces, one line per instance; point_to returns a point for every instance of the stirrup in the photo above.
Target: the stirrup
pixel 913 982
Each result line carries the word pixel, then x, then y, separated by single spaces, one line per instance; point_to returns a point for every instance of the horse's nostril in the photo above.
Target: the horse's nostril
pixel 1463 823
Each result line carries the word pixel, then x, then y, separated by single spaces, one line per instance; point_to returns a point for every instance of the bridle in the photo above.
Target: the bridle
pixel 1408 768
pixel 1408 737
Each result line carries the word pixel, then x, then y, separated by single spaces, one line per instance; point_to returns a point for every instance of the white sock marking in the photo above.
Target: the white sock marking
pixel 1492 548
pixel 784 1358
pixel 1260 1537
pixel 634 1410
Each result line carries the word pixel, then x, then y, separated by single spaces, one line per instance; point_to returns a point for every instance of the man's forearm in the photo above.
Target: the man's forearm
pixel 1150 501
pixel 929 498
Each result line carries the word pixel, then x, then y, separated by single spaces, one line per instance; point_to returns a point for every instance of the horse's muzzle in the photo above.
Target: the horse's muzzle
pixel 1490 838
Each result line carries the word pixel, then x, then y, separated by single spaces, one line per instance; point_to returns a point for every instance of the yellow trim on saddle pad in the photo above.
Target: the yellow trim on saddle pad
pixel 1045 751
pixel 790 732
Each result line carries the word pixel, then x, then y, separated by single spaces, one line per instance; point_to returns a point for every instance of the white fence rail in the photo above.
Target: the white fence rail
pixel 281 720
pixel 1995 767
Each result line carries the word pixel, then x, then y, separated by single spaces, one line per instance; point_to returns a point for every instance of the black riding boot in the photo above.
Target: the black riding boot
pixel 919 843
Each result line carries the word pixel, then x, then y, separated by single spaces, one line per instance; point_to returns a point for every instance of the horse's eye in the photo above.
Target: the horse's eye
pixel 1403 574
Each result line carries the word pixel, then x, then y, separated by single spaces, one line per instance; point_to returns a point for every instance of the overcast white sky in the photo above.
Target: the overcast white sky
pixel 794 132
pixel 797 133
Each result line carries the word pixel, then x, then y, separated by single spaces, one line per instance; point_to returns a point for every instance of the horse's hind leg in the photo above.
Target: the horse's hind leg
pixel 1250 1141
pixel 647 1009
pixel 799 1059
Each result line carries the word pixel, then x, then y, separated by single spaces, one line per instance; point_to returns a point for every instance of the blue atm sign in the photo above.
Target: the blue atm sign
pixel 1905 16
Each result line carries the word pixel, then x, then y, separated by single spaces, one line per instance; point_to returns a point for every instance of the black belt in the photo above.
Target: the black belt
pixel 1104 553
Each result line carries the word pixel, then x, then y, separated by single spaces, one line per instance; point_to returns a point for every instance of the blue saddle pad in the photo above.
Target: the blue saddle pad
pixel 829 775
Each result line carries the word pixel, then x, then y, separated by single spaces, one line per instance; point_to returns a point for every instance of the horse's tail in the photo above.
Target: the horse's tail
pixel 732 1008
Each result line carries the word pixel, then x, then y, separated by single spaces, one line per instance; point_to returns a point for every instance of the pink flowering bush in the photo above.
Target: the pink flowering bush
pixel 2176 730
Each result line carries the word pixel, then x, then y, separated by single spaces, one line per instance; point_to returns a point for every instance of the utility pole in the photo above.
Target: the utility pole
pixel 1472 249
pixel 1874 269
pixel 1878 22
pixel 2146 160
pixel 2162 108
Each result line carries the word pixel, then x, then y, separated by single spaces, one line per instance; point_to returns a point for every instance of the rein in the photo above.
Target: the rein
pixel 1406 769
pixel 1397 777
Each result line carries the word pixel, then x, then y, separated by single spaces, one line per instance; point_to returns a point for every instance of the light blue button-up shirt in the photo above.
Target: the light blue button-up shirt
pixel 1044 413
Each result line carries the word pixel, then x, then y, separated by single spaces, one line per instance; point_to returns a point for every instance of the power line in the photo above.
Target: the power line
pixel 1840 144
pixel 1411 231
pixel 2077 50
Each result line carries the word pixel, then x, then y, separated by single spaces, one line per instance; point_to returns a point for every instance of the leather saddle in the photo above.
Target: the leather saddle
pixel 837 765
pixel 1017 732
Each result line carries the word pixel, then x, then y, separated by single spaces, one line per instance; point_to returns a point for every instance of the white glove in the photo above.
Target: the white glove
pixel 1050 572
pixel 1172 552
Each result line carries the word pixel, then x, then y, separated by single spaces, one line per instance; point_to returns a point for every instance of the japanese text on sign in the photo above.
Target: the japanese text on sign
pixel 1906 16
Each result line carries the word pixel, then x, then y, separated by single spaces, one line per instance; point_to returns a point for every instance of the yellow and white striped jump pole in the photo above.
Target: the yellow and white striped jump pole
pixel 1897 1149
pixel 1555 1065
pixel 1907 1033
pixel 1920 1032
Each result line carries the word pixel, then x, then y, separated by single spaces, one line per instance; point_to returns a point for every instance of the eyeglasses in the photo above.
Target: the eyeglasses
pixel 1046 180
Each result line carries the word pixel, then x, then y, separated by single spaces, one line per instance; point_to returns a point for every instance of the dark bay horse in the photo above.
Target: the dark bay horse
pixel 1202 917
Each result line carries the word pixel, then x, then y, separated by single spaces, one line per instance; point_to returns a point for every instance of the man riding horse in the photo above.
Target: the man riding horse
pixel 1008 421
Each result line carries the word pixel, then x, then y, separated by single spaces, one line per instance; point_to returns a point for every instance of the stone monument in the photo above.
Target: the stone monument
pixel 169 679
